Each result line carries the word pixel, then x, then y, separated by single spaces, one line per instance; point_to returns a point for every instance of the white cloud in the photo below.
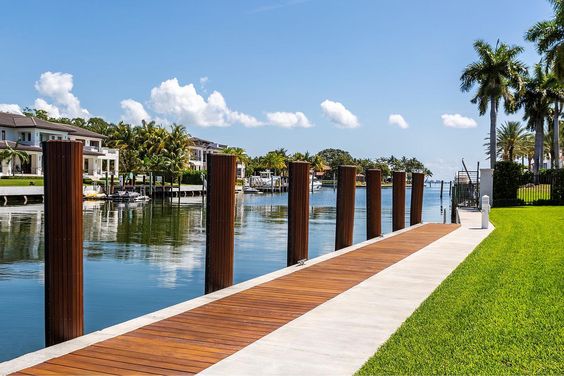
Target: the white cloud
pixel 204 80
pixel 133 112
pixel 288 119
pixel 11 108
pixel 398 120
pixel 58 87
pixel 458 121
pixel 52 110
pixel 339 115
pixel 184 104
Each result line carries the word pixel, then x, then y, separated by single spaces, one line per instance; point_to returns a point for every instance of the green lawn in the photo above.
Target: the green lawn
pixel 500 312
pixel 538 192
pixel 19 182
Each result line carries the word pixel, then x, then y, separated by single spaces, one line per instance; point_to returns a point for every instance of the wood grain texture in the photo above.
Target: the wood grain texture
pixel 298 212
pixel 346 187
pixel 64 317
pixel 373 203
pixel 398 200
pixel 416 208
pixel 196 339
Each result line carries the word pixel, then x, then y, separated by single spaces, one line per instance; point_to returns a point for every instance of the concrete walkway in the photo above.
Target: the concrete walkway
pixel 339 336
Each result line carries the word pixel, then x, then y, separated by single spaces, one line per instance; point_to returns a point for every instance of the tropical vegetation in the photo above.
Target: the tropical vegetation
pixel 10 154
pixel 499 76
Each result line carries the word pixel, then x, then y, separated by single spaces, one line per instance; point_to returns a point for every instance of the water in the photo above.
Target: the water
pixel 139 258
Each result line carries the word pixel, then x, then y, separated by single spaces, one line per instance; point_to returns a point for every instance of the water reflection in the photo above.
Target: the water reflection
pixel 142 257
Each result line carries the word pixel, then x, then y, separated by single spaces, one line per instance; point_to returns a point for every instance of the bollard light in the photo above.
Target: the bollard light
pixel 485 211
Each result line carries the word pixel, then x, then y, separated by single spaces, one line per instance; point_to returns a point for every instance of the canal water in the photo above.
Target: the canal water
pixel 139 258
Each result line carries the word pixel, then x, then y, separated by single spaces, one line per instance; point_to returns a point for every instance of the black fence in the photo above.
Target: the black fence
pixel 465 191
pixel 544 192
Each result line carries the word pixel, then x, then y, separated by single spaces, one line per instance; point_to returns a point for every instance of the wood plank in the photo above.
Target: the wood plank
pixel 192 341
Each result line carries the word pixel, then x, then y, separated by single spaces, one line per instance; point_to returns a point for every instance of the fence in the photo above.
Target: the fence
pixel 545 192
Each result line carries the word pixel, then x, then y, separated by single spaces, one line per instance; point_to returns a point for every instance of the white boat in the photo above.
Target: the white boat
pixel 316 185
pixel 249 189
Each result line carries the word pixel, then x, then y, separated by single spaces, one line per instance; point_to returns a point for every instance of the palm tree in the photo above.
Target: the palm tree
pixel 549 37
pixel 496 73
pixel 535 100
pixel 177 151
pixel 240 153
pixel 10 154
pixel 274 160
pixel 510 137
pixel 555 93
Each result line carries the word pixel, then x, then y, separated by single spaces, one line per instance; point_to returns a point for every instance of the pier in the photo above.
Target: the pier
pixel 211 332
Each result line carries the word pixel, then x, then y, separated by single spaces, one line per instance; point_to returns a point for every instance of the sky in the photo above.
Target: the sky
pixel 375 78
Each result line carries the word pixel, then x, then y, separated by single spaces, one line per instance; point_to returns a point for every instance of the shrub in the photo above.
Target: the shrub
pixel 193 177
pixel 507 178
pixel 87 181
pixel 557 192
pixel 20 177
pixel 501 203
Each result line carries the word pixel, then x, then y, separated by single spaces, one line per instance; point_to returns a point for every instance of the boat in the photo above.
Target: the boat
pixel 249 189
pixel 93 193
pixel 316 185
pixel 127 196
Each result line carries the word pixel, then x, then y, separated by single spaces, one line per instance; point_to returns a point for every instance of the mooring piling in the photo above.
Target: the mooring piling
pixel 417 187
pixel 64 311
pixel 398 200
pixel 442 184
pixel 298 212
pixel 346 186
pixel 220 221
pixel 373 203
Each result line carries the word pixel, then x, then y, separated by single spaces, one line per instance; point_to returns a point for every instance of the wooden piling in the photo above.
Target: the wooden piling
pixel 298 212
pixel 220 221
pixel 398 200
pixel 373 203
pixel 64 315
pixel 346 186
pixel 417 187
pixel 112 185
pixel 442 184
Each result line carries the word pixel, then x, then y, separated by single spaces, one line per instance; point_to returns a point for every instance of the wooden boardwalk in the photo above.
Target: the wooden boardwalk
pixel 196 339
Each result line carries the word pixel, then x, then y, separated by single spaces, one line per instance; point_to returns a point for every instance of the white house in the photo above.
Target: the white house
pixel 27 133
pixel 201 148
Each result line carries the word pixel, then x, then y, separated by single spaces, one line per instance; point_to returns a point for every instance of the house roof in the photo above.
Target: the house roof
pixel 22 147
pixel 21 121
pixel 207 144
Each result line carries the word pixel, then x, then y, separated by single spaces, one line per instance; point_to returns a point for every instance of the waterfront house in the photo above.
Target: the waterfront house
pixel 201 148
pixel 27 133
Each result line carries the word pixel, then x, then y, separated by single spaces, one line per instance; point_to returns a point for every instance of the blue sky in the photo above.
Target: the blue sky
pixel 272 64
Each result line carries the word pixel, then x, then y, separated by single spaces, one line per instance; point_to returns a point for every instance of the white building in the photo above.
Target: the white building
pixel 27 133
pixel 201 148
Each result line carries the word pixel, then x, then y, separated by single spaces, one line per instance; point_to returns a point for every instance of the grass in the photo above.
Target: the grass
pixel 500 312
pixel 23 182
pixel 533 193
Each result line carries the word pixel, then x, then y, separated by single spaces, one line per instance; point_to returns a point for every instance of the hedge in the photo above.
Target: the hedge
pixel 507 178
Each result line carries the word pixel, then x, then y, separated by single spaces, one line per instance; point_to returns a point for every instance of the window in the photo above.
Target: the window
pixel 3 135
pixel 29 137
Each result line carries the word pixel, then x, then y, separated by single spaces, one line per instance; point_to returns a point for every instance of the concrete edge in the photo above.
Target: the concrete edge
pixel 45 354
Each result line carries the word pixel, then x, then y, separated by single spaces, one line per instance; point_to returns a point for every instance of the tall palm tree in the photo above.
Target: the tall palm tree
pixel 177 151
pixel 10 154
pixel 555 93
pixel 510 138
pixel 496 73
pixel 536 101
pixel 240 153
pixel 549 37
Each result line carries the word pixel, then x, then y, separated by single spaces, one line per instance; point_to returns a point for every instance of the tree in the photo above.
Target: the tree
pixel 496 74
pixel 240 153
pixel 274 160
pixel 177 151
pixel 10 154
pixel 555 93
pixel 535 100
pixel 335 158
pixel 510 138
pixel 549 37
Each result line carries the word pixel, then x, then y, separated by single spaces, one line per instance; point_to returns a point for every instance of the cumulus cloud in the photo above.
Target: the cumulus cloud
pixel 184 104
pixel 288 119
pixel 52 110
pixel 458 121
pixel 398 120
pixel 11 108
pixel 338 114
pixel 133 112
pixel 58 88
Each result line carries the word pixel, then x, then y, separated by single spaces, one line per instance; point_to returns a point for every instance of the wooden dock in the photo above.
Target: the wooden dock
pixel 194 340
